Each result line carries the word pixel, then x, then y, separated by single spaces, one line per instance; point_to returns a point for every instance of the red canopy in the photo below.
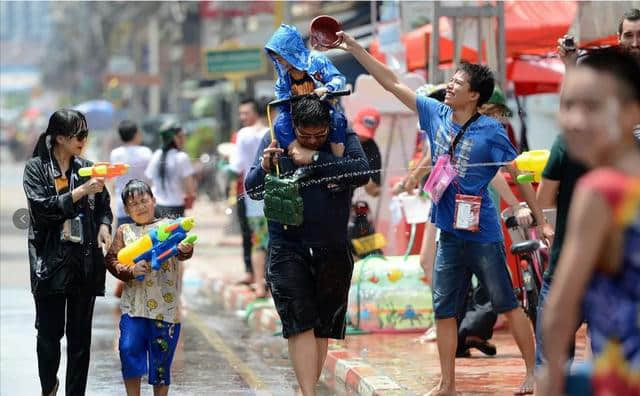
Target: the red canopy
pixel 535 76
pixel 530 28
pixel 534 27
pixel 417 44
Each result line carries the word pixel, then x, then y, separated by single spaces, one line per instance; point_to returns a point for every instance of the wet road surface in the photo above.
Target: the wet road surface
pixel 216 355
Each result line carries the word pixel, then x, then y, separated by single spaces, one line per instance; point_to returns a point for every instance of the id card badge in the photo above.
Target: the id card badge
pixel 467 212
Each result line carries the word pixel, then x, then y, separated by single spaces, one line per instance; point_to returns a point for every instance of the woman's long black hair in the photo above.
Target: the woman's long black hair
pixel 163 162
pixel 64 122
pixel 169 131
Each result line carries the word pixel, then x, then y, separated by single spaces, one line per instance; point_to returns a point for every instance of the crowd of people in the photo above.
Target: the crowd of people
pixel 592 178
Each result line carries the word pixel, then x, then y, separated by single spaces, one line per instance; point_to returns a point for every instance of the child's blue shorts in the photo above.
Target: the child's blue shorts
pixel 142 336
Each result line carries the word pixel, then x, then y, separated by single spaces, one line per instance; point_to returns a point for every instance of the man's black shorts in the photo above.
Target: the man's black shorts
pixel 310 287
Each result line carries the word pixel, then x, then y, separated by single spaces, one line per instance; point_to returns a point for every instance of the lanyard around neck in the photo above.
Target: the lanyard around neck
pixel 461 132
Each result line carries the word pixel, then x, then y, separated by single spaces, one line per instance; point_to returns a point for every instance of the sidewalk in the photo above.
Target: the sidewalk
pixel 212 226
pixel 369 364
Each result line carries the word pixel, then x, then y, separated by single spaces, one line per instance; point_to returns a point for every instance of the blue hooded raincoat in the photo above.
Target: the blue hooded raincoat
pixel 287 42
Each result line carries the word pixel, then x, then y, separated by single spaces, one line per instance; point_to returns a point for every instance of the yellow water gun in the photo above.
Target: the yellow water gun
pixel 532 163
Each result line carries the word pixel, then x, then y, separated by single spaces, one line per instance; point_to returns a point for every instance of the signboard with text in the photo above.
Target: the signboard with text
pixel 234 62
pixel 231 9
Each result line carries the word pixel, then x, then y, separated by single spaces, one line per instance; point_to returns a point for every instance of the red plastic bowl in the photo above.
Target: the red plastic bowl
pixel 322 32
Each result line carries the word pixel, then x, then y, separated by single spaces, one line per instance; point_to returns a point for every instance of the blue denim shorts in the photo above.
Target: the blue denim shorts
pixel 142 337
pixel 456 260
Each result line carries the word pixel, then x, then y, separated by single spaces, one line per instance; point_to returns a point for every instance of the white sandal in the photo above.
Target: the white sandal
pixel 429 336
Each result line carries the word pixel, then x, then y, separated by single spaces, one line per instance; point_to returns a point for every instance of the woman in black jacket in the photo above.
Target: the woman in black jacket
pixel 69 231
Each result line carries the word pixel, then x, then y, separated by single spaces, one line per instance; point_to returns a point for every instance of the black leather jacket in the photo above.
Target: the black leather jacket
pixel 59 267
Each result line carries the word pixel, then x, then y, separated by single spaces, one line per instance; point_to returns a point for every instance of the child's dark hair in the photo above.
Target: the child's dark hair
pixel 135 187
pixel 438 95
pixel 310 111
pixel 480 80
pixel 127 130
pixel 619 63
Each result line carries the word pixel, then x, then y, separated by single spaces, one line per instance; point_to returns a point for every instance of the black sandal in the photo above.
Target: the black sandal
pixel 484 347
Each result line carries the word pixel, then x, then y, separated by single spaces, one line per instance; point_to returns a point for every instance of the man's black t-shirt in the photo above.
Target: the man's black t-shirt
pixel 326 210
pixel 567 171
pixel 372 152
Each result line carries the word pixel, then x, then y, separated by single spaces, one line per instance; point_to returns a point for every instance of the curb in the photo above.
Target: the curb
pixel 239 297
pixel 345 367
pixel 358 376
pixel 264 319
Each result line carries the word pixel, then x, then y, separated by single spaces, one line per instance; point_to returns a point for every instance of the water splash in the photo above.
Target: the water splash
pixel 259 190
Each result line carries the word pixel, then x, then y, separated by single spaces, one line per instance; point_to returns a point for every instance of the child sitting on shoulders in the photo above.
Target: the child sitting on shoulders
pixel 302 72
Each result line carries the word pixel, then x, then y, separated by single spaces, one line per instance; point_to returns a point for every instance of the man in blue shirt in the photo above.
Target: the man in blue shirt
pixel 471 240
pixel 310 265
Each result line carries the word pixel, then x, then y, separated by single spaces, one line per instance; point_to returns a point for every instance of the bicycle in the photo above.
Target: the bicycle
pixel 532 257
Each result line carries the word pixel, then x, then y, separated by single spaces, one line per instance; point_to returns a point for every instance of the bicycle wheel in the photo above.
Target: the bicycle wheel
pixel 530 289
pixel 533 291
pixel 532 307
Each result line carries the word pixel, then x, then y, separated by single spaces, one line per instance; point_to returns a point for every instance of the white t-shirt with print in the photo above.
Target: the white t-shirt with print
pixel 247 142
pixel 158 295
pixel 137 157
pixel 178 167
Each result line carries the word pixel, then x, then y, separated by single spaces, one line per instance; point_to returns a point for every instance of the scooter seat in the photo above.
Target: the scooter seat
pixel 525 247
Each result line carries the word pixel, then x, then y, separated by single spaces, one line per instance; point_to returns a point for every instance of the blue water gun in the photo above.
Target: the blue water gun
pixel 159 244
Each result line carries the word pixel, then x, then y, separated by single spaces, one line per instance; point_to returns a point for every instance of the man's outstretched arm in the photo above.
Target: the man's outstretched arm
pixel 381 72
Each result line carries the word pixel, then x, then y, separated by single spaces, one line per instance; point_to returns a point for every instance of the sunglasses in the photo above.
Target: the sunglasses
pixel 304 134
pixel 80 135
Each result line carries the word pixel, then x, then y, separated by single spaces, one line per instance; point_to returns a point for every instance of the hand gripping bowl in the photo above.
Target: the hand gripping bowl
pixel 322 32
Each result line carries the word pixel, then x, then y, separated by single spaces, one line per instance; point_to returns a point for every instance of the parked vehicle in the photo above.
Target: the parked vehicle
pixel 532 258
